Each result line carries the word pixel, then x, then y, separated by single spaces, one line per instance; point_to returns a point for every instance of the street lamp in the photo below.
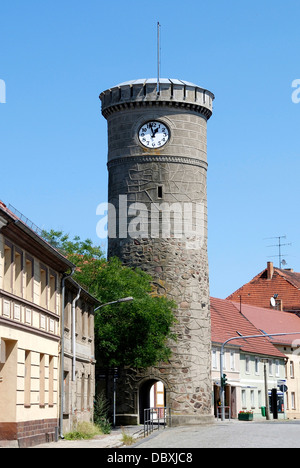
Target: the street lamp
pixel 124 299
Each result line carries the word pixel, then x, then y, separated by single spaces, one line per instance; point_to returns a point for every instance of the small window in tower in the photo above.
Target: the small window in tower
pixel 159 191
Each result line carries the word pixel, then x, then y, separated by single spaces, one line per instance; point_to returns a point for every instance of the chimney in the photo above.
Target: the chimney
pixel 270 270
pixel 279 304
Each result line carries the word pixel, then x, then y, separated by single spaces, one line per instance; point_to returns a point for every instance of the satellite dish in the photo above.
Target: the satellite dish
pixel 283 262
pixel 272 302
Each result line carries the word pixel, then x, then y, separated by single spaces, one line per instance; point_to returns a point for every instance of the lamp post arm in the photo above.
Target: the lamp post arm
pixel 107 304
pixel 241 337
pixel 125 299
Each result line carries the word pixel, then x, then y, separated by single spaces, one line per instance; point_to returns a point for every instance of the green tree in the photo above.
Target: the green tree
pixel 136 333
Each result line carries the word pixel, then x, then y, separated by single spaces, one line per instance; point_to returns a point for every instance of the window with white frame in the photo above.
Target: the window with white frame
pixel 257 365
pixel 247 364
pixel 292 370
pixel 293 400
pixel 232 359
pixel 259 398
pixel 277 368
pixel 214 358
pixel 243 398
pixel 270 366
pixel 252 399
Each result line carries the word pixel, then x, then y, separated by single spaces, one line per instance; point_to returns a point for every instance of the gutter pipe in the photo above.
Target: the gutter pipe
pixel 74 333
pixel 62 350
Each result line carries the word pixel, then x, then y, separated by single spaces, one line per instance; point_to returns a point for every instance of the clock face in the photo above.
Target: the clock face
pixel 154 134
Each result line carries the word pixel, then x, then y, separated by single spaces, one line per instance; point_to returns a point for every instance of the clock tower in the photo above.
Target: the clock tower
pixel 157 164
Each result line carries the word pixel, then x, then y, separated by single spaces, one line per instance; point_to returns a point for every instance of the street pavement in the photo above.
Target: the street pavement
pixel 233 434
pixel 227 434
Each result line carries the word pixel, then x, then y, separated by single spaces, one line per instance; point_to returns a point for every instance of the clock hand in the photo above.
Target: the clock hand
pixel 152 132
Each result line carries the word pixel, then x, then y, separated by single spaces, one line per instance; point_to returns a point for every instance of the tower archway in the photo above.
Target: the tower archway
pixel 152 394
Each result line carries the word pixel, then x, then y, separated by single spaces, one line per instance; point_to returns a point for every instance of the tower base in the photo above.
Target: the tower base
pixel 190 420
pixel 172 421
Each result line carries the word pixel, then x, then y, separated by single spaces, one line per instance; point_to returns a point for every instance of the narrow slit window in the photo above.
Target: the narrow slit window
pixel 53 289
pixel 29 271
pixel 43 286
pixel 8 266
pixel 159 191
pixel 18 272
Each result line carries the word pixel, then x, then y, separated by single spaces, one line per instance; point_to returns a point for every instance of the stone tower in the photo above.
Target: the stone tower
pixel 157 165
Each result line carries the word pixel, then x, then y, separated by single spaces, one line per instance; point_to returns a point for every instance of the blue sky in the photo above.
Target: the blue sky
pixel 56 57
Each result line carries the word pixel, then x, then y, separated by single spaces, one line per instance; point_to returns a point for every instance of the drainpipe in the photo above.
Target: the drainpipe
pixel 62 350
pixel 74 333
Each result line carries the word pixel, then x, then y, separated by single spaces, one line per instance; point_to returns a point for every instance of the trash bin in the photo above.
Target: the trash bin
pixel 263 411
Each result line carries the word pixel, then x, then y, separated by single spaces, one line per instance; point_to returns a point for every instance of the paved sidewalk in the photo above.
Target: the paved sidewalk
pixel 112 440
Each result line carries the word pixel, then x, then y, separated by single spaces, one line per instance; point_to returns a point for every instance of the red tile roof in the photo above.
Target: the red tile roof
pixel 227 322
pixel 260 289
pixel 274 321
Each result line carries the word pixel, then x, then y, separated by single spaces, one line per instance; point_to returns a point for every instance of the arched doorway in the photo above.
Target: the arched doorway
pixel 152 394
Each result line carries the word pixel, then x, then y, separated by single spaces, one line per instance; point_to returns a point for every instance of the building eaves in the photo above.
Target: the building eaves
pixel 76 286
pixel 25 237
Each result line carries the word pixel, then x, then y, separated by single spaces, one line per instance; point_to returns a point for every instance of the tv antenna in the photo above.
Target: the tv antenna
pixel 158 57
pixel 279 245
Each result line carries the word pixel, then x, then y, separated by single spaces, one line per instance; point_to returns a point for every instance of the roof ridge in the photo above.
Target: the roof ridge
pixel 286 275
pixel 240 288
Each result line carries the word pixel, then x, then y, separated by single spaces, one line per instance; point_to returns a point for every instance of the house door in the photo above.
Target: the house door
pixel 233 403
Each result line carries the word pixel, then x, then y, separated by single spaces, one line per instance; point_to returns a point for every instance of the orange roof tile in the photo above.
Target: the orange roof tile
pixel 274 321
pixel 260 289
pixel 228 322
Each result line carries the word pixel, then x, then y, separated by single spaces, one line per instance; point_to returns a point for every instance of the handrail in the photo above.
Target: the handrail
pixel 153 417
